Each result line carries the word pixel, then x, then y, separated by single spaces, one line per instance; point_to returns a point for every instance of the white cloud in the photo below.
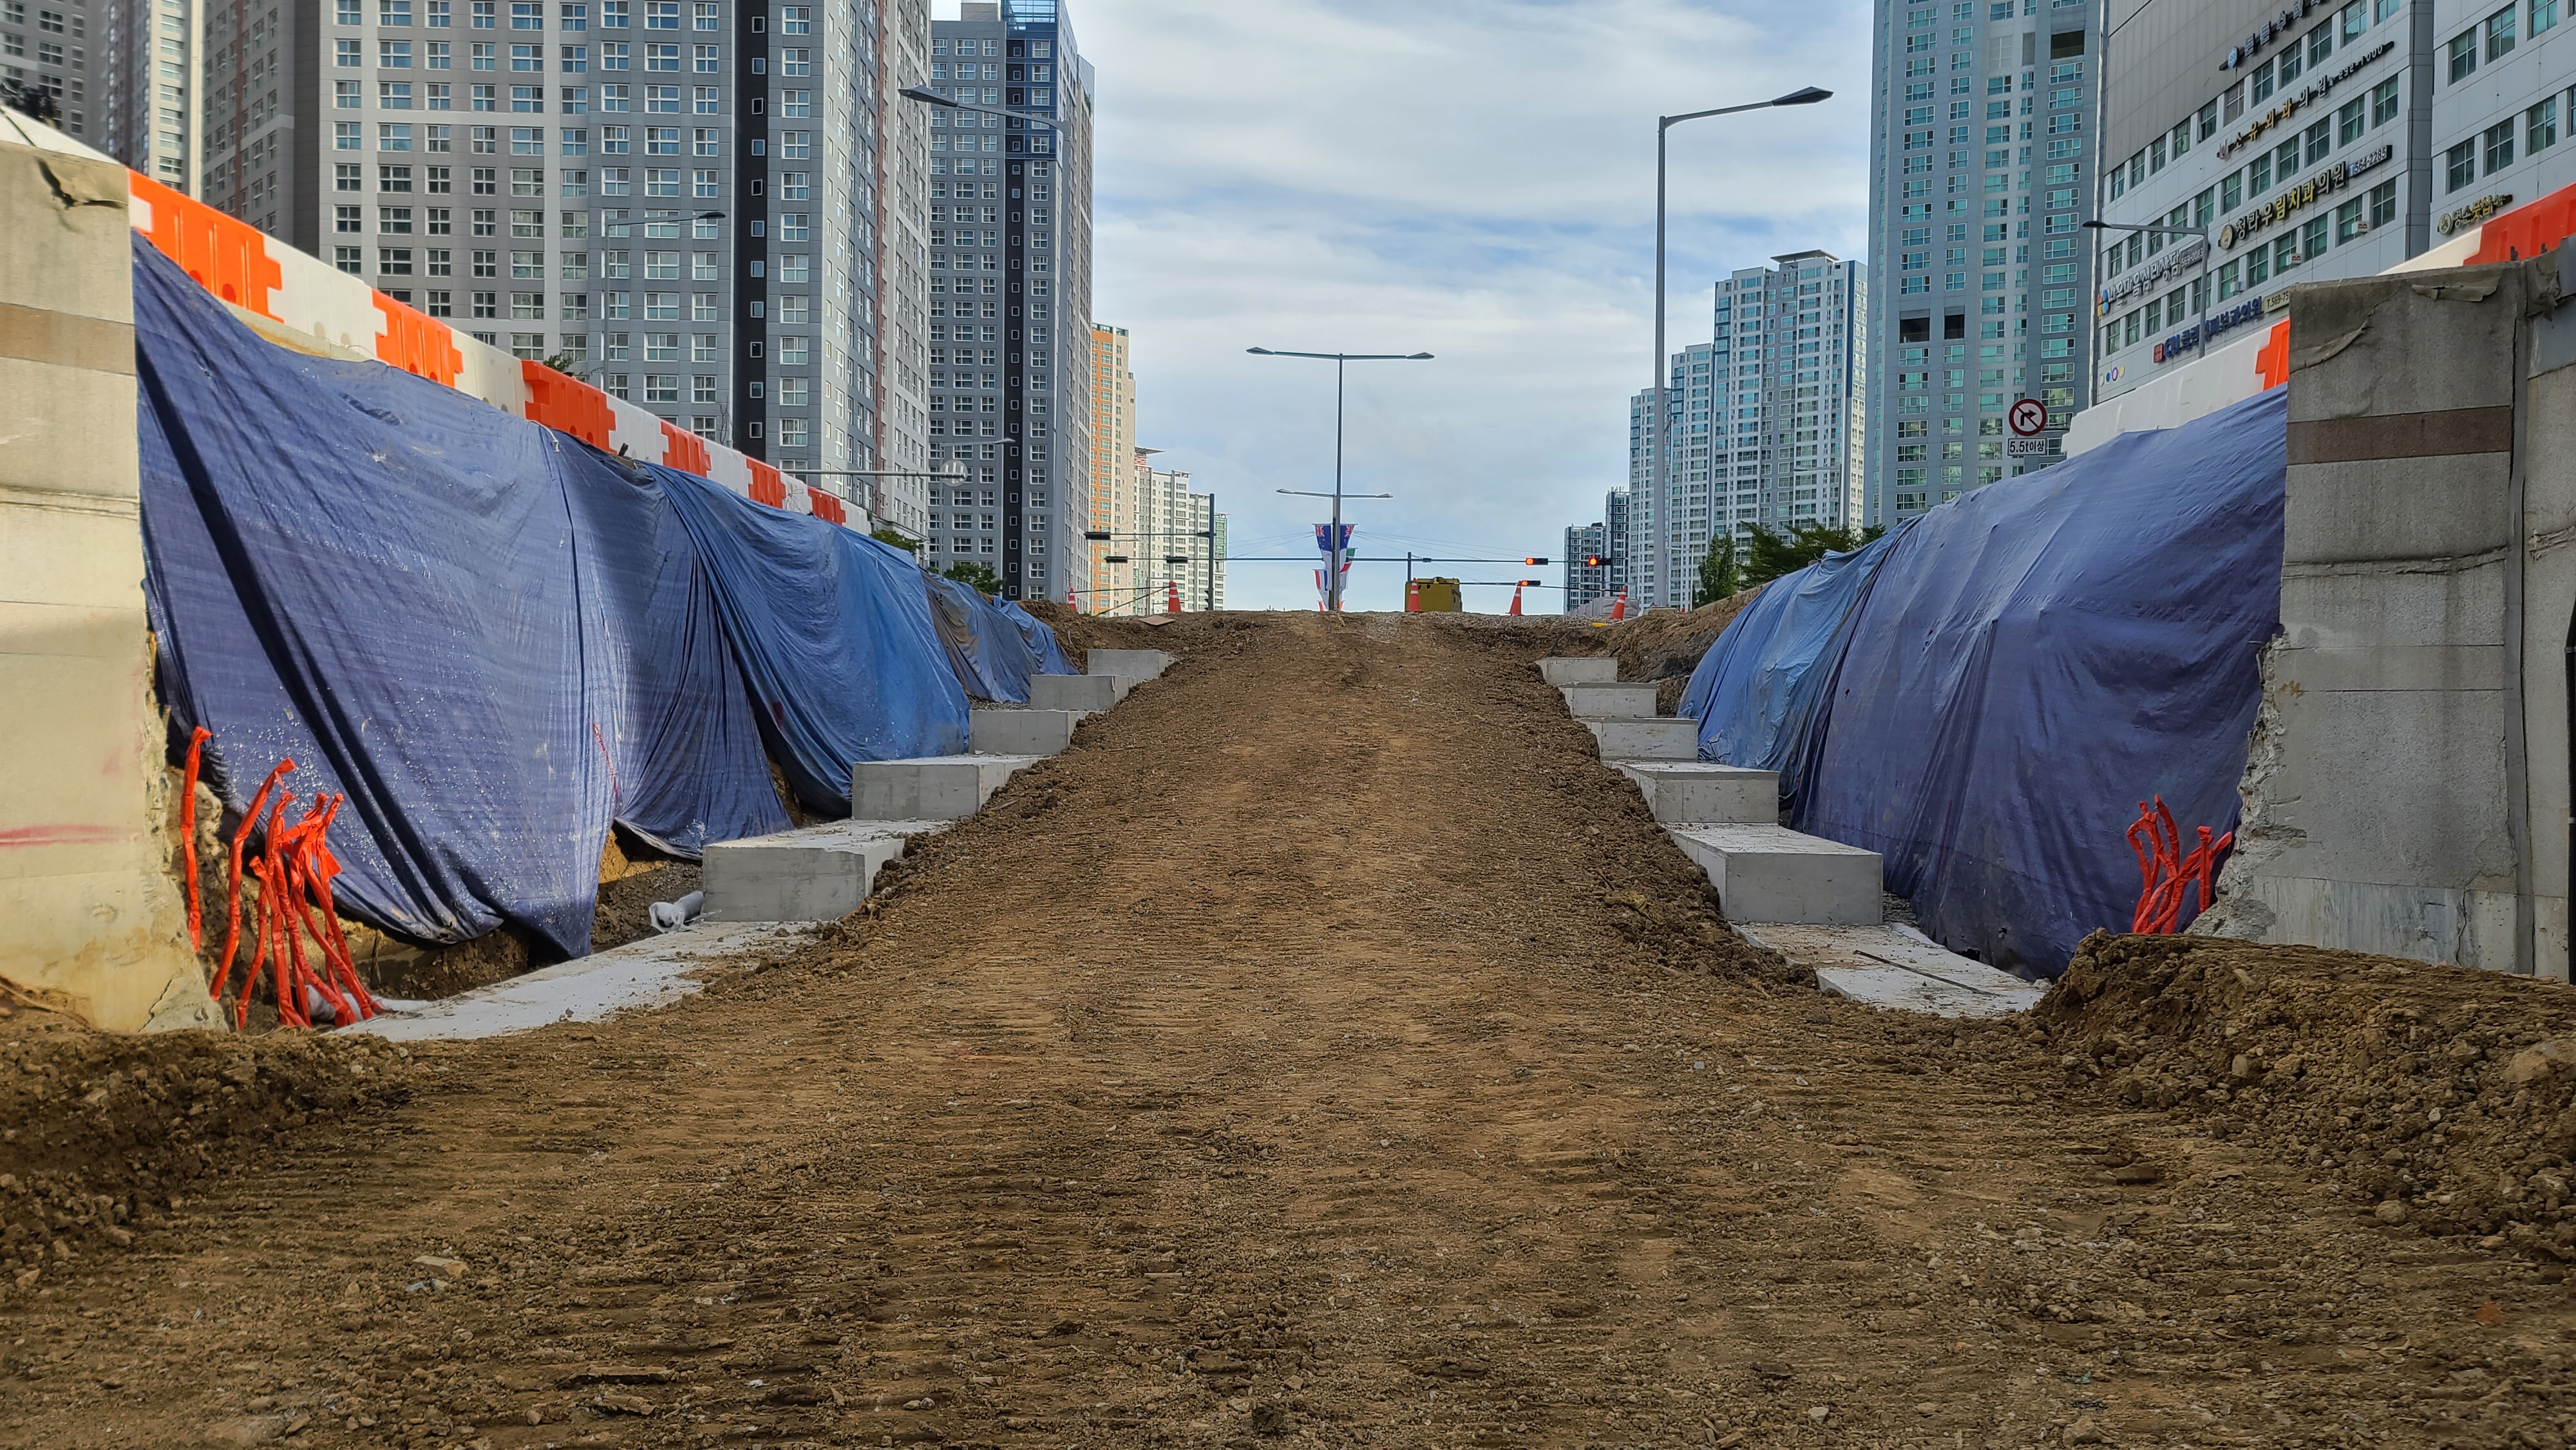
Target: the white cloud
pixel 1471 181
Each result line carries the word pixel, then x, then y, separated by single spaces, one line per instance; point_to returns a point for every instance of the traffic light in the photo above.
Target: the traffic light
pixel 1533 561
pixel 1596 561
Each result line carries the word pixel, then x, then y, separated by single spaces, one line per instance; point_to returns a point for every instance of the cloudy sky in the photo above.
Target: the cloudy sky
pixel 1471 180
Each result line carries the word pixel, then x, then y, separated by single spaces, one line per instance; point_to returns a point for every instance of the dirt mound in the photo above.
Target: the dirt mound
pixel 102 1128
pixel 2445 1096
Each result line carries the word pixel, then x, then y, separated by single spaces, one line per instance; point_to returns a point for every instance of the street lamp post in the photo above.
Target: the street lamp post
pixel 1663 433
pixel 2200 333
pixel 1333 541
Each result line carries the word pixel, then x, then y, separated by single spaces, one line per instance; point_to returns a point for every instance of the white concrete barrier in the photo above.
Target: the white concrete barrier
pixel 1131 664
pixel 820 873
pixel 932 788
pixel 1089 693
pixel 1893 965
pixel 1563 670
pixel 1664 738
pixel 1771 873
pixel 1003 731
pixel 1595 701
pixel 1690 792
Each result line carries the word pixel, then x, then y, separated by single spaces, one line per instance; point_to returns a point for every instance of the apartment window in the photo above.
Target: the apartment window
pixel 2312 240
pixel 663 100
pixel 527 57
pixel 486 221
pixel 528 266
pixel 793 309
pixel 796 62
pixel 2351 121
pixel 2540 126
pixel 612 55
pixel 2499 29
pixel 2543 16
pixel 661 57
pixel 438 55
pixel 348 219
pixel 2499 146
pixel 394 54
pixel 2383 102
pixel 795 105
pixel 348 176
pixel 613 15
pixel 705 97
pixel 793 269
pixel 527 140
pixel 703 59
pixel 439 15
pixel 573 60
pixel 795 185
pixel 441 223
pixel 345 97
pixel 487 264
pixel 703 15
pixel 393 261
pixel 661 388
pixel 351 260
pixel 484 16
pixel 393 178
pixel 486 181
pixel 348 11
pixel 2464 56
pixel 575 101
pixel 661 14
pixel 487 304
pixel 2231 191
pixel 2231 280
pixel 2347 221
pixel 2383 203
pixel 2320 138
pixel 482 55
pixel 703 141
pixel 2355 18
pixel 527 15
pixel 795 19
pixel 345 136
pixel 792 227
pixel 527 181
pixel 441 178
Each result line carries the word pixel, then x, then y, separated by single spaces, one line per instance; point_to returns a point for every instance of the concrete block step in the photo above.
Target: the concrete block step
pixel 1771 873
pixel 1563 670
pixel 1592 700
pixel 1693 792
pixel 1669 737
pixel 933 788
pixel 1131 664
pixel 820 873
pixel 1089 693
pixel 1008 730
pixel 1893 965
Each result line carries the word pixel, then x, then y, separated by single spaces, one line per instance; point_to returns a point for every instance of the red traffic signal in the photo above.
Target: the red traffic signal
pixel 1533 561
pixel 1595 561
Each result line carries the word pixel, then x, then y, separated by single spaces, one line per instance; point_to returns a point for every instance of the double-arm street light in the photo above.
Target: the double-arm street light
pixel 1333 540
pixel 1662 434
pixel 2200 333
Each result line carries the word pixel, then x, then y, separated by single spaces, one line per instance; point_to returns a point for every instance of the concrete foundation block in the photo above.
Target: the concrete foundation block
pixel 934 788
pixel 1562 670
pixel 1092 693
pixel 1771 873
pixel 1023 732
pixel 1131 664
pixel 1669 737
pixel 1689 792
pixel 1595 701
pixel 1896 966
pixel 820 873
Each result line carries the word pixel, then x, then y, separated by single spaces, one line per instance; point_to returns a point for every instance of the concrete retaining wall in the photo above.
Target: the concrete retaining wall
pixel 94 921
pixel 2406 789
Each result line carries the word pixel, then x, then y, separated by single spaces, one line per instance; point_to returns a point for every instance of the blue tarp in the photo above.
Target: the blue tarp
pixel 1757 687
pixel 991 658
pixel 833 633
pixel 2039 656
pixel 489 638
pixel 1041 640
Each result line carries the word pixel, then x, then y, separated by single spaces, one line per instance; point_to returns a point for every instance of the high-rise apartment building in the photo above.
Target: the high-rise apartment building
pixel 1668 512
pixel 1010 294
pixel 900 230
pixel 1789 401
pixel 1584 581
pixel 1177 543
pixel 2312 141
pixel 676 199
pixel 123 75
pixel 1113 459
pixel 1982 128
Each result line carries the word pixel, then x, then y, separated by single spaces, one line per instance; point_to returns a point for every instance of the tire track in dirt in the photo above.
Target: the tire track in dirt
pixel 1325 1052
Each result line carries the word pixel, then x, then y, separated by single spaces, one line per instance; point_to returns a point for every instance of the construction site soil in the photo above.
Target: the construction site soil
pixel 1326 1051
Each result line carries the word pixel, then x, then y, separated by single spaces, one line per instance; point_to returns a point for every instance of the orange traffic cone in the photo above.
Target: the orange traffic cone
pixel 1413 596
pixel 1619 606
pixel 1172 596
pixel 1071 604
pixel 1516 601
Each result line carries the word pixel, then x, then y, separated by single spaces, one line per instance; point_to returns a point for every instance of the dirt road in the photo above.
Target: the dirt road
pixel 1325 1052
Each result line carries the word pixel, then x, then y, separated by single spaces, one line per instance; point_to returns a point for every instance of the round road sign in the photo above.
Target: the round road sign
pixel 2028 416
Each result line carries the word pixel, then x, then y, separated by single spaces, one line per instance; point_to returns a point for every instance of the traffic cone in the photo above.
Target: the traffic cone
pixel 1516 601
pixel 1172 596
pixel 1413 596
pixel 1619 606
pixel 1071 604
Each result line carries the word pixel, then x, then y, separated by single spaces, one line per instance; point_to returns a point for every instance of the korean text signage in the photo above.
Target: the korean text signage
pixel 2193 336
pixel 2474 213
pixel 2288 106
pixel 2182 258
pixel 2273 29
pixel 2325 183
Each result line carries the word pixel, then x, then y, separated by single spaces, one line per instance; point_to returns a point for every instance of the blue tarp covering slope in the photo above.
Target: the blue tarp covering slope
pixel 487 638
pixel 1757 687
pixel 1041 640
pixel 991 658
pixel 832 631
pixel 2039 656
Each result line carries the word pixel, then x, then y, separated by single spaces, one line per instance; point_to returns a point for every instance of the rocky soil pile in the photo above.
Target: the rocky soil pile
pixel 103 1129
pixel 2445 1096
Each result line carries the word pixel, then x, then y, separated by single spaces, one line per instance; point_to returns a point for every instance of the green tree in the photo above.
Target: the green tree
pixel 1719 575
pixel 1773 555
pixel 977 576
pixel 889 536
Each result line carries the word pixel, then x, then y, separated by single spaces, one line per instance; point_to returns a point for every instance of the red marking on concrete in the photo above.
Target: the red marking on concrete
pixel 684 450
pixel 226 256
pixel 567 405
pixel 417 343
pixel 64 833
pixel 828 507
